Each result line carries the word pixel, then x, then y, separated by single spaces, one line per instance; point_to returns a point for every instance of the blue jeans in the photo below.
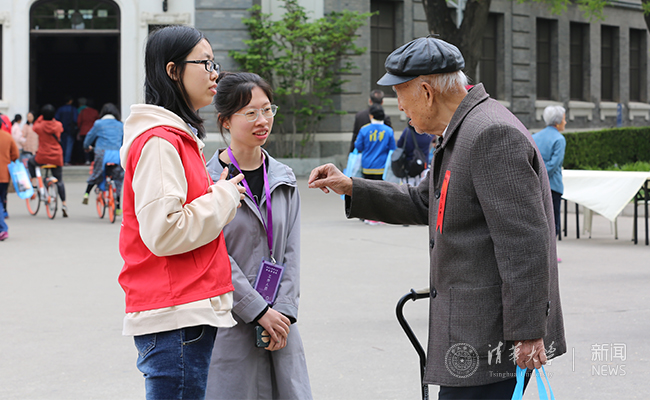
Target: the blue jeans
pixel 175 364
pixel 3 200
pixel 67 143
pixel 3 225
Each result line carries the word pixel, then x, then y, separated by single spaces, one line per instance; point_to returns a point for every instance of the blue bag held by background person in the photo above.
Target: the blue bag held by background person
pixel 21 180
pixel 353 169
pixel 389 176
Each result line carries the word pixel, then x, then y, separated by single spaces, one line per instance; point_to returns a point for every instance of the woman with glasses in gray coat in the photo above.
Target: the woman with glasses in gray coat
pixel 263 242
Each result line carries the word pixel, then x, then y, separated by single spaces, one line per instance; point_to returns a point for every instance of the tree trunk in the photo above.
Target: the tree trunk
pixel 469 38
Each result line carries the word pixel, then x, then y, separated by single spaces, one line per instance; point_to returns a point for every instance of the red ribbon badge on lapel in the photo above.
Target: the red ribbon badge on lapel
pixel 443 199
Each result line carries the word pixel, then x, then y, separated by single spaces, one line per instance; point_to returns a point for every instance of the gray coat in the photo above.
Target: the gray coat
pixel 493 261
pixel 238 369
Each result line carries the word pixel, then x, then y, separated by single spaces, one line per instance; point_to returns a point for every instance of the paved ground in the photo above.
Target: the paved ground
pixel 60 326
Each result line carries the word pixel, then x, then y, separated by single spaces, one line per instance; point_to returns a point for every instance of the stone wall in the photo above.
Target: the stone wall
pixel 517 69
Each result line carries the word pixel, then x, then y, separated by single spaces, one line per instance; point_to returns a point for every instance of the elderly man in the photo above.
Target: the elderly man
pixel 488 205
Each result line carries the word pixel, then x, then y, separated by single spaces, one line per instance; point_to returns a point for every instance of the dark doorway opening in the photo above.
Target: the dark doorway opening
pixel 76 65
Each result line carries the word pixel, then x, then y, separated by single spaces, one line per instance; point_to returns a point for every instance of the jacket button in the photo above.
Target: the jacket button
pixel 548 308
pixel 437 194
pixel 431 243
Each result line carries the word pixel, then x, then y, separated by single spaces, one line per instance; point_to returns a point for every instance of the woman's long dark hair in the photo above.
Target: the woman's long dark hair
pixel 234 92
pixel 110 108
pixel 171 44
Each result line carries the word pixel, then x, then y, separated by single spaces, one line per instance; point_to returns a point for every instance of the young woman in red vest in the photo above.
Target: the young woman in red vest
pixel 176 273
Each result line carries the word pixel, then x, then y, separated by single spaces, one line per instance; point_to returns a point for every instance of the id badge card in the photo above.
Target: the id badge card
pixel 268 280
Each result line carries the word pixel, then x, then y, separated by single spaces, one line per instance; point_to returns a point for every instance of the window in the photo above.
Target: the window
pixel 488 62
pixel 74 14
pixel 382 41
pixel 637 64
pixel 608 63
pixel 578 60
pixel 544 58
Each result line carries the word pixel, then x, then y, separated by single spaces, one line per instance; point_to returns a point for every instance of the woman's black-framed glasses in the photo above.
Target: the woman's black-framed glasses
pixel 208 64
pixel 254 114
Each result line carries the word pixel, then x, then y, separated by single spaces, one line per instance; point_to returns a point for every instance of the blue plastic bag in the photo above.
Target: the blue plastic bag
pixel 541 389
pixel 21 180
pixel 389 176
pixel 353 168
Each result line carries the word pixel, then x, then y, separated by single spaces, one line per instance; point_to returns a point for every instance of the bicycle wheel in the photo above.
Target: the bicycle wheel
pixel 34 202
pixel 111 202
pixel 52 201
pixel 101 206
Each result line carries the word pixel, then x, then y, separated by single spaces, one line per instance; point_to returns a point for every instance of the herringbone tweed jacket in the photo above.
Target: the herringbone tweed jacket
pixel 493 259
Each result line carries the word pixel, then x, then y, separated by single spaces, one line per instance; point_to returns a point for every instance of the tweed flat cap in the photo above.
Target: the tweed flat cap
pixel 422 56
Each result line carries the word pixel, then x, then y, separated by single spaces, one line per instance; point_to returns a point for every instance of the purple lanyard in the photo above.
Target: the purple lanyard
pixel 269 215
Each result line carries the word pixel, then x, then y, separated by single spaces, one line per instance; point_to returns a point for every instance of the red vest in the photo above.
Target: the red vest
pixel 151 282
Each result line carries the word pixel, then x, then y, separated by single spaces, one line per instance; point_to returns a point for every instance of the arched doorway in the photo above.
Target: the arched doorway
pixel 74 51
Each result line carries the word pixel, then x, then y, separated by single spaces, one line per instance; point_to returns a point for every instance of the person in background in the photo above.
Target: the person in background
pixel 363 117
pixel 17 132
pixel 67 116
pixel 176 275
pixel 31 138
pixel 49 151
pixel 105 139
pixel 8 153
pixel 374 142
pixel 85 121
pixel 552 144
pixel 266 228
pixel 423 142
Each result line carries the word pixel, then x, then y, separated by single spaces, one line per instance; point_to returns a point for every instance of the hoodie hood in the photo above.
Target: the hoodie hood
pixel 51 126
pixel 147 116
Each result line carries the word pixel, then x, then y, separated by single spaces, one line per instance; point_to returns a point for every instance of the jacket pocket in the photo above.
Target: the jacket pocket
pixel 476 318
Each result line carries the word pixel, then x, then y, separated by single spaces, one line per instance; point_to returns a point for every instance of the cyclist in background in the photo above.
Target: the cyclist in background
pixel 49 149
pixel 105 137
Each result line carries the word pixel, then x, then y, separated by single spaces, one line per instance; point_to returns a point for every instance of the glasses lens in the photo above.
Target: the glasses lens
pixel 209 65
pixel 269 111
pixel 251 116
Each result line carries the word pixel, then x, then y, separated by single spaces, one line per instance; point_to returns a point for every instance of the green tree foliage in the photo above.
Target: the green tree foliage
pixel 303 60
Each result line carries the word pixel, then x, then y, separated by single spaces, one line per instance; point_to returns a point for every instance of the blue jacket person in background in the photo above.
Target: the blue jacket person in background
pixel 374 142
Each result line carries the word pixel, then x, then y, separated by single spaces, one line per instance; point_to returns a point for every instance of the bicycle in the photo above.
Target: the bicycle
pixel 106 192
pixel 46 192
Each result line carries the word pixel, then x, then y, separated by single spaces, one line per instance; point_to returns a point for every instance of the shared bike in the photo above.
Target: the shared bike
pixel 106 193
pixel 47 192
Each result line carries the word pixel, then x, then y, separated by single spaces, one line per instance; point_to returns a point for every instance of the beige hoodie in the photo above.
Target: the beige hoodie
pixel 166 226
